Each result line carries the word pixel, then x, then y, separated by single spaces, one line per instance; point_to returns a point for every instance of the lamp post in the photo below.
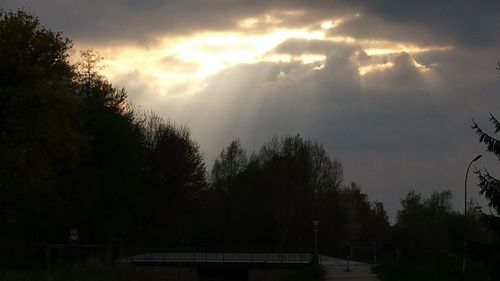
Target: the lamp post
pixel 464 261
pixel 315 250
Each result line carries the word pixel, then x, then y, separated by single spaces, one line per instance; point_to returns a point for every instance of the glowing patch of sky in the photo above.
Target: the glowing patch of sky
pixel 173 61
pixel 363 70
pixel 398 48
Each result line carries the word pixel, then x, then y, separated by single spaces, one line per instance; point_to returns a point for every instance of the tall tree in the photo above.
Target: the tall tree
pixel 426 223
pixel 174 177
pixel 280 189
pixel 38 138
pixel 490 186
pixel 410 220
pixel 98 193
pixel 231 162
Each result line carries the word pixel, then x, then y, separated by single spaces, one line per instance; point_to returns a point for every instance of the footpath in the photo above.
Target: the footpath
pixel 336 269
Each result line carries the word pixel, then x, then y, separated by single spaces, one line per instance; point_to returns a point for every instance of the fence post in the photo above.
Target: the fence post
pixel 351 252
pixel 47 257
pixel 349 257
pixel 59 259
pixel 108 253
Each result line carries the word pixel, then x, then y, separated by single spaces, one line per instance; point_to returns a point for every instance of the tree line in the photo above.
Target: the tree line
pixel 76 154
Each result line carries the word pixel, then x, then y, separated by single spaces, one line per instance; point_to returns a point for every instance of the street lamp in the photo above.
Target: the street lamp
pixel 465 215
pixel 315 252
pixel 465 190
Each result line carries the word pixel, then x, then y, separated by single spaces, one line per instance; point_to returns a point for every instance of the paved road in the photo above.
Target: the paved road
pixel 336 270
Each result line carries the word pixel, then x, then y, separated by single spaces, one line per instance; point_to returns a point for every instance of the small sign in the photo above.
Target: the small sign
pixel 73 236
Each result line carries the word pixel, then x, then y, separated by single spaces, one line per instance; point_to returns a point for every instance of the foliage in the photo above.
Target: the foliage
pixel 38 139
pixel 76 154
pixel 309 273
pixel 429 223
pixel 490 186
pixel 174 176
pixel 431 266
pixel 293 181
pixel 310 158
pixel 232 161
pixel 83 272
pixel 31 54
pixel 80 156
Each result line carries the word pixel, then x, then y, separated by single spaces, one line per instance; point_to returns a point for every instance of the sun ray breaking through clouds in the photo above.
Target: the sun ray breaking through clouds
pixel 169 65
pixel 372 85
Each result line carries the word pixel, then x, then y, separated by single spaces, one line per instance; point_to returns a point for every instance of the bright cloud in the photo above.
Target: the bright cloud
pixel 186 62
pixel 393 100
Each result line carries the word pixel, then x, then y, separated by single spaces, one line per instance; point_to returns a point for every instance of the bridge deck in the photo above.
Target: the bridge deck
pixel 195 257
pixel 339 262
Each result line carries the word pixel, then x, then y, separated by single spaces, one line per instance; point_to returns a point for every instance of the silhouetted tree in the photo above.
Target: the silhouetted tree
pixel 232 161
pixel 38 138
pixel 490 186
pixel 174 177
pixel 410 220
pixel 273 198
pixel 432 223
pixel 99 191
pixel 94 90
pixel 297 171
pixel 75 154
pixel 349 218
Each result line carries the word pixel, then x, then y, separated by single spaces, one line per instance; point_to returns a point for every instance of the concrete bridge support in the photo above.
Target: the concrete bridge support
pixel 170 273
pixel 251 272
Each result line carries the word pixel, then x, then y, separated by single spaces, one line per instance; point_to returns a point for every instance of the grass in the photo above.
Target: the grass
pixel 309 273
pixel 430 269
pixel 70 272
pixel 36 271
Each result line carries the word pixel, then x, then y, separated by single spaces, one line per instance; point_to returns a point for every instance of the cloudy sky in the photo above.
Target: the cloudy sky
pixel 388 87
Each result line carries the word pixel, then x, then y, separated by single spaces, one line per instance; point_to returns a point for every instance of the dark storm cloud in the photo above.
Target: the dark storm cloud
pixel 135 21
pixel 393 129
pixel 322 105
pixel 403 76
pixel 376 28
pixel 270 98
pixel 459 22
pixel 301 46
pixel 140 21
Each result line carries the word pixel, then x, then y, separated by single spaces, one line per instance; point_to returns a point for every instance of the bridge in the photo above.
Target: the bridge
pixel 245 266
pixel 216 265
pixel 164 257
pixel 204 264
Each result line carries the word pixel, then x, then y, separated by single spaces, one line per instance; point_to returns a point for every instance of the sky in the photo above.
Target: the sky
pixel 389 87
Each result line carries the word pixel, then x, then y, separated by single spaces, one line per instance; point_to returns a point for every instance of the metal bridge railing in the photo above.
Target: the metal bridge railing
pixel 168 256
